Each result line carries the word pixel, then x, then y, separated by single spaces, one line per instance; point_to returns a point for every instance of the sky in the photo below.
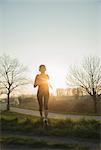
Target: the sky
pixel 57 33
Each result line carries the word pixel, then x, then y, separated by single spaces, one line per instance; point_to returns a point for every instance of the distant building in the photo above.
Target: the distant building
pixel 69 92
pixel 3 103
pixel 61 92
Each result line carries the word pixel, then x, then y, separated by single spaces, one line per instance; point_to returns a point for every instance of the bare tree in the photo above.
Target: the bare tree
pixel 12 75
pixel 88 77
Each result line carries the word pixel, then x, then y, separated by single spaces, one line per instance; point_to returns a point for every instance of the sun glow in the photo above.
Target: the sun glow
pixel 57 77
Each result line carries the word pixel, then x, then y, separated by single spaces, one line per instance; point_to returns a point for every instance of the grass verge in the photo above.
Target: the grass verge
pixel 30 143
pixel 15 122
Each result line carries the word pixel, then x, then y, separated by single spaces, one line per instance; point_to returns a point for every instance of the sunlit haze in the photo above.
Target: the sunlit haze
pixel 55 33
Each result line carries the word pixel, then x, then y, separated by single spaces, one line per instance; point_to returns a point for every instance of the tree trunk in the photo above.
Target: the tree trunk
pixel 8 103
pixel 95 103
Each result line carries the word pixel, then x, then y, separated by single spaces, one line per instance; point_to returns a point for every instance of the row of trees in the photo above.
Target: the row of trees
pixel 87 77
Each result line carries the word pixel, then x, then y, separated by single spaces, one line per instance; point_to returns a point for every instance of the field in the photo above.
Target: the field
pixel 28 132
pixel 63 104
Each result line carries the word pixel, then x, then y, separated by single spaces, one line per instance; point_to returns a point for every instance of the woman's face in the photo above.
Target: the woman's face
pixel 42 69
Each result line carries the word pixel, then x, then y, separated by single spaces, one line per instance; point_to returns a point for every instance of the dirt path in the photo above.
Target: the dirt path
pixel 53 115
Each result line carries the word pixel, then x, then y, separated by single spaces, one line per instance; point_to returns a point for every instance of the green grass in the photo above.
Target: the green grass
pixel 15 122
pixel 83 114
pixel 28 142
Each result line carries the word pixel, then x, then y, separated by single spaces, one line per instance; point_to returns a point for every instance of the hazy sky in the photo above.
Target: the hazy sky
pixel 57 33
